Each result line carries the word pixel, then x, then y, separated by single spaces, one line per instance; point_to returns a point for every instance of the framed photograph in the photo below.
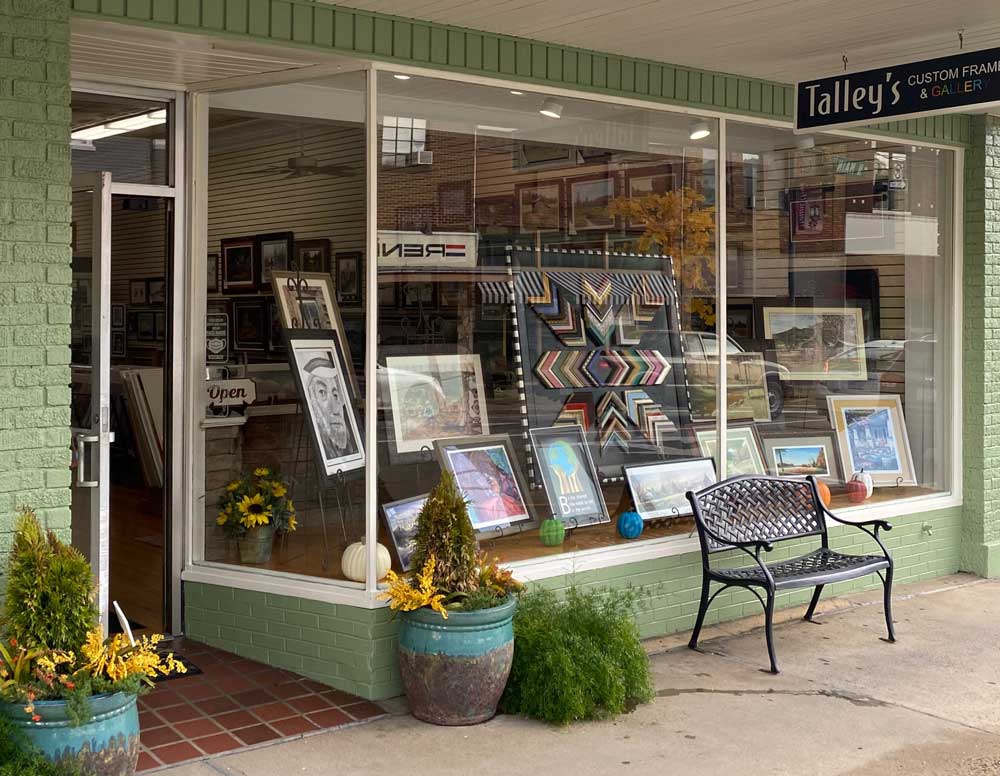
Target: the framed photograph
pixel 145 324
pixel 434 397
pixel 488 478
pixel 274 252
pixel 568 473
pixel 212 270
pixel 348 273
pixel 539 207
pixel 658 489
pixel 818 343
pixel 156 291
pixel 238 261
pixel 797 455
pixel 743 455
pixel 250 325
pixel 646 182
pixel 746 393
pixel 118 344
pixel 401 519
pixel 319 374
pixel 872 434
pixel 117 316
pixel 312 256
pixel 589 203
pixel 160 324
pixel 495 214
pixel 137 291
pixel 275 332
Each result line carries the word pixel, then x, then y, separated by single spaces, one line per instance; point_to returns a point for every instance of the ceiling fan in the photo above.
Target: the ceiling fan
pixel 303 165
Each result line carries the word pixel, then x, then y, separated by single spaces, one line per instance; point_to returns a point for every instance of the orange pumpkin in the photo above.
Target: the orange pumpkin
pixel 824 492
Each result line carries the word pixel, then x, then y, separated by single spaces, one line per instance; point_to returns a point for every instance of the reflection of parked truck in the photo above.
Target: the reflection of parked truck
pixel 701 353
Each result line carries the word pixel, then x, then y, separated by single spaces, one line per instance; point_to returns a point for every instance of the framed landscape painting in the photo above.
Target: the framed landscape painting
pixel 658 489
pixel 818 343
pixel 401 518
pixel 743 454
pixel 872 435
pixel 797 455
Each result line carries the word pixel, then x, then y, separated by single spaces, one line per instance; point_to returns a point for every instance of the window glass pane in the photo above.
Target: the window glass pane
pixel 285 318
pixel 125 136
pixel 541 265
pixel 842 299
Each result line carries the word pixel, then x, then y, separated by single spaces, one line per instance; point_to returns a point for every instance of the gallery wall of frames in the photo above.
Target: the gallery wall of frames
pixel 547 303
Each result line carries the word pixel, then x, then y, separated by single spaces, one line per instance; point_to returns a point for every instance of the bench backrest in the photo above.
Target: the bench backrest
pixel 746 509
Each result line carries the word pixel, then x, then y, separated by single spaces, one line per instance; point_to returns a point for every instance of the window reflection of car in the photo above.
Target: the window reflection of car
pixel 885 363
pixel 701 353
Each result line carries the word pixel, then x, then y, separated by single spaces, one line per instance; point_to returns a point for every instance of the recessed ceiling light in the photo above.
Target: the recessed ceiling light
pixel 491 128
pixel 516 92
pixel 121 126
pixel 700 130
pixel 551 108
pixel 401 76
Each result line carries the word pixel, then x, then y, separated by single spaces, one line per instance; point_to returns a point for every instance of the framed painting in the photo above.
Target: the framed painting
pixel 250 325
pixel 817 343
pixel 486 472
pixel 539 207
pixel 569 476
pixel 311 256
pixel 238 262
pixel 658 489
pixel 117 316
pixel 434 397
pixel 146 326
pixel 156 291
pixel 743 454
pixel 797 455
pixel 118 344
pixel 212 271
pixel 136 291
pixel 348 273
pixel 647 182
pixel 401 520
pixel 274 251
pixel 319 375
pixel 871 431
pixel 590 201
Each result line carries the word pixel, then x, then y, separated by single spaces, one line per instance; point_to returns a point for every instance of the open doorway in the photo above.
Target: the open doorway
pixel 121 351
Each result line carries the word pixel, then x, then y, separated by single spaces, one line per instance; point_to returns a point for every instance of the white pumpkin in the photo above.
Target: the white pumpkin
pixel 864 477
pixel 353 561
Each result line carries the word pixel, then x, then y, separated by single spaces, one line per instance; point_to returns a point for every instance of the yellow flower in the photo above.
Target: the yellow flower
pixel 278 490
pixel 403 596
pixel 261 471
pixel 253 510
pixel 222 518
pixel 233 485
pixel 292 525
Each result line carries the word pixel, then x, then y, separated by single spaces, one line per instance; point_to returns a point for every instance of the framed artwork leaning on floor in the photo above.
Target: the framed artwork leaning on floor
pixel 872 435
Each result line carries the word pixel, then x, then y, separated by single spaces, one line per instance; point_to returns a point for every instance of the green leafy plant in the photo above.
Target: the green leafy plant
pixel 577 659
pixel 50 589
pixel 18 758
pixel 445 532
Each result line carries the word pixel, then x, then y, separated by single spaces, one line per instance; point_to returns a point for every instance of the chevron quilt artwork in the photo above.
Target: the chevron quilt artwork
pixel 599 368
pixel 647 416
pixel 578 409
pixel 560 315
pixel 612 423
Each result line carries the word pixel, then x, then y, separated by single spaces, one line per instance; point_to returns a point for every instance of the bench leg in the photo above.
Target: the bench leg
pixel 812 604
pixel 702 609
pixel 887 584
pixel 769 630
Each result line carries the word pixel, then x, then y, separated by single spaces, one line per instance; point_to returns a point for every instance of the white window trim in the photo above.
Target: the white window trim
pixel 196 569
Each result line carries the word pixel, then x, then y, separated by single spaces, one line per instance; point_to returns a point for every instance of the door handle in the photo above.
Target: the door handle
pixel 82 440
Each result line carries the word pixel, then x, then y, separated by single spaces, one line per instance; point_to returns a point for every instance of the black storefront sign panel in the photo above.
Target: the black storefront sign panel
pixel 944 85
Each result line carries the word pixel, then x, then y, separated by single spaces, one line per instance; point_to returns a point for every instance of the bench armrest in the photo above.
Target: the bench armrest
pixel 870 527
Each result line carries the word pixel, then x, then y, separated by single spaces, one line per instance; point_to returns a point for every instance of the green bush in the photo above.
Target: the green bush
pixel 17 758
pixel 576 659
pixel 50 590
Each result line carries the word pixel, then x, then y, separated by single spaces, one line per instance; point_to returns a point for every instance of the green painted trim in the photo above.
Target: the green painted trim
pixel 406 41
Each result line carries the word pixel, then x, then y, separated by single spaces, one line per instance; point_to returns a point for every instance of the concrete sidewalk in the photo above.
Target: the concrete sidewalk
pixel 846 702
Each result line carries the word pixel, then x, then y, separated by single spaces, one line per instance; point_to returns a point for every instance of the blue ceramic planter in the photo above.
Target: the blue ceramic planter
pixel 107 745
pixel 455 670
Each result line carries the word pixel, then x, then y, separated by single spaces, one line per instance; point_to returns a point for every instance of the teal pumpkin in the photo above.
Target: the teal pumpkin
pixel 552 532
pixel 629 524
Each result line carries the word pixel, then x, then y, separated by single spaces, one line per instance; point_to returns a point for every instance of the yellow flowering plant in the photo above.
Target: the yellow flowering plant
pixel 257 499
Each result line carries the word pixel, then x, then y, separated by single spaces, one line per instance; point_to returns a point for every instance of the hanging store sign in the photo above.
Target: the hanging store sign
pixel 216 338
pixel 950 84
pixel 230 393
pixel 441 250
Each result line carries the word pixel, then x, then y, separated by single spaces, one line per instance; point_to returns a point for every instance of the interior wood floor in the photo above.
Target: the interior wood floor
pixel 137 553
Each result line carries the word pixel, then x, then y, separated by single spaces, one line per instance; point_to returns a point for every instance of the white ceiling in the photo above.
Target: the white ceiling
pixel 781 40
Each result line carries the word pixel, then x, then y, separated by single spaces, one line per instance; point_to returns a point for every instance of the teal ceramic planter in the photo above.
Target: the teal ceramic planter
pixel 455 670
pixel 107 745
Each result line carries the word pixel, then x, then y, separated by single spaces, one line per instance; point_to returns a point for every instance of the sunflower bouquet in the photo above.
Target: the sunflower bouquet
pixel 254 500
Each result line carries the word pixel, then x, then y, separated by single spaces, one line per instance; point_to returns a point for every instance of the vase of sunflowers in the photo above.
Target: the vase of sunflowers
pixel 253 509
pixel 68 691
pixel 456 643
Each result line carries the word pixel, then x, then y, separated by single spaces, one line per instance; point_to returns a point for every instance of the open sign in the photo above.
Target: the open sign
pixel 230 393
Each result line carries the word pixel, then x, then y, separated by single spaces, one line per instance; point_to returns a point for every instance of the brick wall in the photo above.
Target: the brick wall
pixel 355 649
pixel 34 263
pixel 981 371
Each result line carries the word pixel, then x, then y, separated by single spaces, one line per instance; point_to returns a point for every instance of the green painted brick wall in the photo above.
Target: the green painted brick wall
pixel 409 41
pixel 981 370
pixel 355 649
pixel 34 264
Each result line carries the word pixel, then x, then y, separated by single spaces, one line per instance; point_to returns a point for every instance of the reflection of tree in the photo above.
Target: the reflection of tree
pixel 681 225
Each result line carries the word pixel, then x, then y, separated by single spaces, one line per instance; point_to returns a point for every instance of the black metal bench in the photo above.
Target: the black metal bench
pixel 750 514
